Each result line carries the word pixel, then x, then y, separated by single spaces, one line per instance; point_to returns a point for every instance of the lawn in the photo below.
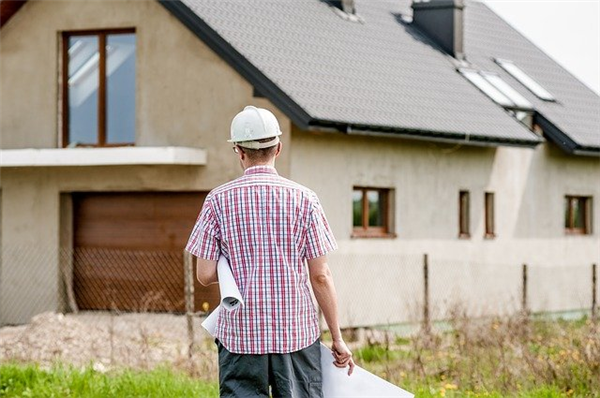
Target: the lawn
pixel 67 381
pixel 514 357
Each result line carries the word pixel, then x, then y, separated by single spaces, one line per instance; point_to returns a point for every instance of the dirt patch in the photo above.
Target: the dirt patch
pixel 106 341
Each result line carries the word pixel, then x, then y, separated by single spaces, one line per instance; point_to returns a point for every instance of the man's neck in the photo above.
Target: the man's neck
pixel 254 164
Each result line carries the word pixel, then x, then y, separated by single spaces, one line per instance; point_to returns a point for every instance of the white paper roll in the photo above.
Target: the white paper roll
pixel 231 298
pixel 230 294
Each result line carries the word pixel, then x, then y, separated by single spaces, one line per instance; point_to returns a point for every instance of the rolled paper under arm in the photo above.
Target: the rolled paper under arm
pixel 230 294
pixel 231 297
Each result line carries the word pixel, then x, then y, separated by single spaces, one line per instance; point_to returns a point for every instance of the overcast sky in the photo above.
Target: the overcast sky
pixel 566 30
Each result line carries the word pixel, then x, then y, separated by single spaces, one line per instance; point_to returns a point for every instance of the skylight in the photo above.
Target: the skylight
pixel 507 90
pixel 496 88
pixel 525 79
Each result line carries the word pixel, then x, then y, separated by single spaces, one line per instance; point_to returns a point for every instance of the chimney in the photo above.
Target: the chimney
pixel 442 21
pixel 345 5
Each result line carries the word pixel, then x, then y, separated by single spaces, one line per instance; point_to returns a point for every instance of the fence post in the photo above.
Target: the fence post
pixel 188 271
pixel 594 291
pixel 426 321
pixel 524 296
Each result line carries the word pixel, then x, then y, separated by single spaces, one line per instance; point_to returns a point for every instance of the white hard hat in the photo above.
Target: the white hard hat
pixel 254 124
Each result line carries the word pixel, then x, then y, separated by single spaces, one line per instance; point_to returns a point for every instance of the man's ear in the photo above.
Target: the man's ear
pixel 279 146
pixel 241 154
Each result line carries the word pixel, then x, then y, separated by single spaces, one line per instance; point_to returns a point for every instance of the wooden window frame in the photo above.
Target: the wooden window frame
pixel 464 217
pixel 490 216
pixel 101 34
pixel 366 231
pixel 587 215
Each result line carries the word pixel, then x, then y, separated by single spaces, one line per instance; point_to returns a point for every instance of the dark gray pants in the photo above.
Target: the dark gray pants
pixel 297 374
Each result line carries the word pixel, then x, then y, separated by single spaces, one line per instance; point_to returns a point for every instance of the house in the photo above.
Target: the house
pixel 425 127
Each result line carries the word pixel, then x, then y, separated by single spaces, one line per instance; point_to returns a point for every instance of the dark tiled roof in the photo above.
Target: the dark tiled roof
pixel 384 75
pixel 576 112
pixel 381 75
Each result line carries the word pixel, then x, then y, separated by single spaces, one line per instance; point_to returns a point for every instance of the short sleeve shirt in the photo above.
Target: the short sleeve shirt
pixel 267 227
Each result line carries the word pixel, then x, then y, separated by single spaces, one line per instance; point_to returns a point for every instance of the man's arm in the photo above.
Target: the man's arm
pixel 206 271
pixel 322 283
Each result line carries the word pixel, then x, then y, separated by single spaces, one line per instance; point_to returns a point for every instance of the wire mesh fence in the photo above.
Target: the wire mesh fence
pixel 141 308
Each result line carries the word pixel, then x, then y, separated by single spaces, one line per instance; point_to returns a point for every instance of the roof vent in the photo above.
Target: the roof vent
pixel 345 5
pixel 443 22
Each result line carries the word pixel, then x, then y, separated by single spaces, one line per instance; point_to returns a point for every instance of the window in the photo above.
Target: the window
pixel 98 88
pixel 497 89
pixel 463 215
pixel 525 79
pixel 489 215
pixel 578 215
pixel 371 212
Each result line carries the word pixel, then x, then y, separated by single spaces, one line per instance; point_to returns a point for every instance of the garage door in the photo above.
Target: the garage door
pixel 129 251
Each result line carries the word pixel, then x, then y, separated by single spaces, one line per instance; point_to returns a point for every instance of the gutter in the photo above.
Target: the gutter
pixel 421 135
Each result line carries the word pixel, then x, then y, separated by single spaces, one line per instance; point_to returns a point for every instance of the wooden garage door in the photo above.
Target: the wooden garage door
pixel 129 251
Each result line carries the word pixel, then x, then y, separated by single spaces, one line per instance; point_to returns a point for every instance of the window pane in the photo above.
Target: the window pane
pixel 357 209
pixel 525 79
pixel 579 213
pixel 568 213
pixel 464 212
pixel 507 90
pixel 120 88
pixel 375 209
pixel 83 90
pixel 489 213
pixel 481 83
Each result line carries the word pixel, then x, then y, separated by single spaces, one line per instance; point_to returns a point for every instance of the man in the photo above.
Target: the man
pixel 268 228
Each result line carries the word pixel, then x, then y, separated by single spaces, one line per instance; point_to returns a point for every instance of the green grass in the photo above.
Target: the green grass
pixel 66 381
pixel 496 358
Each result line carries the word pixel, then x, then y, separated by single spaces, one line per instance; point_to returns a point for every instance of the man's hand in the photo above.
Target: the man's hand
pixel 342 355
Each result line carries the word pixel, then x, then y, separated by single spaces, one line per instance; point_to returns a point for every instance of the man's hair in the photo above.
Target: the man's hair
pixel 263 154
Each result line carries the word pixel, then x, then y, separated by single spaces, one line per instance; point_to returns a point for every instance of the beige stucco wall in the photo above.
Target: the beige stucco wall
pixel 381 280
pixel 185 96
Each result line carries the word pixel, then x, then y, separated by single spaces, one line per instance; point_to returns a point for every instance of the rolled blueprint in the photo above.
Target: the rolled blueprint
pixel 230 294
pixel 231 298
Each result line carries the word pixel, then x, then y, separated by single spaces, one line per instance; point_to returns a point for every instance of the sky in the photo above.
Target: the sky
pixel 566 30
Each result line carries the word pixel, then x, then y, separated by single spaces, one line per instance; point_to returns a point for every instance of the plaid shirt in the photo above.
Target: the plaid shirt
pixel 267 226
